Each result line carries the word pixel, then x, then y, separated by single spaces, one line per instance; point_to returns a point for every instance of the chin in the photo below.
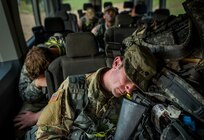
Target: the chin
pixel 116 94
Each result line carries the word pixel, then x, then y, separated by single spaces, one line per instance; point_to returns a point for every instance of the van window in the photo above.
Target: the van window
pixel 175 6
pixel 26 17
pixel 76 4
pixel 42 11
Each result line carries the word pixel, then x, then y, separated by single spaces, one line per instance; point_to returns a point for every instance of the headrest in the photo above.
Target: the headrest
pixel 161 14
pixel 141 8
pixel 62 14
pixel 66 7
pixel 128 4
pixel 107 4
pixel 54 24
pixel 87 5
pixel 81 44
pixel 123 20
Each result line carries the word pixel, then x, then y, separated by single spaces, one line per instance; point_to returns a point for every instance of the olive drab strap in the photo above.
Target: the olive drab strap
pixel 78 90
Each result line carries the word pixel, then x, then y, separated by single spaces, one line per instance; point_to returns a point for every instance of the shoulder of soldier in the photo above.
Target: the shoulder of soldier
pixel 24 73
pixel 61 90
pixel 82 19
pixel 96 29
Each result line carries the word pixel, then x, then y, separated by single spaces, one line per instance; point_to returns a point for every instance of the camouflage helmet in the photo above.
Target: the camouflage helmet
pixel 139 64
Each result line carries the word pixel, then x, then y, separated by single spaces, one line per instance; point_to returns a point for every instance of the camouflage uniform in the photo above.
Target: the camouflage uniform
pixel 34 98
pixel 96 119
pixel 99 32
pixel 87 24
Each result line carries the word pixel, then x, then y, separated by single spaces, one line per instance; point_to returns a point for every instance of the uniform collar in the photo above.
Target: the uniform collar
pixel 94 81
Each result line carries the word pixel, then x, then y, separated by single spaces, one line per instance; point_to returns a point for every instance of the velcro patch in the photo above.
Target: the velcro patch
pixel 55 96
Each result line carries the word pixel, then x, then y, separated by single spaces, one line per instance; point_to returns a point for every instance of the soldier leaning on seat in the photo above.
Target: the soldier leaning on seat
pixel 87 107
pixel 32 83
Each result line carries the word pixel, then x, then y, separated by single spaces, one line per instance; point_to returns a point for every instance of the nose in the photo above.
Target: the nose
pixel 129 88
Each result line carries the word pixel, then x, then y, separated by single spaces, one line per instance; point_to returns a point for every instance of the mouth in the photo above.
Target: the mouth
pixel 120 92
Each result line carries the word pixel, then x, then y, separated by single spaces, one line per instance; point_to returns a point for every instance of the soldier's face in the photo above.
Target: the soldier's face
pixel 120 84
pixel 110 15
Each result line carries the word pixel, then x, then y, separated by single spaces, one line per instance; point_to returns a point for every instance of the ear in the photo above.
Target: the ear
pixel 117 62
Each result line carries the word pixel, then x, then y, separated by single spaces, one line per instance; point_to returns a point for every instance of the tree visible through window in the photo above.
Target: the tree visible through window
pixel 26 17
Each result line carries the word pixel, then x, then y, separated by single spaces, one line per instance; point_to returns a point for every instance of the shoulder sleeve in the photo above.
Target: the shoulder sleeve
pixel 28 91
pixel 96 29
pixel 57 117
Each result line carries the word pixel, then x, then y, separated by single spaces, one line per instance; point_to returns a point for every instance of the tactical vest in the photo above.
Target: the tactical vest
pixel 78 89
pixel 85 127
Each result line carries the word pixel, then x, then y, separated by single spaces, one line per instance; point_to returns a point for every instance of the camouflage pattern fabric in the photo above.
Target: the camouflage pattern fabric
pixel 33 97
pixel 97 119
pixel 88 25
pixel 140 65
pixel 51 124
pixel 99 32
pixel 171 40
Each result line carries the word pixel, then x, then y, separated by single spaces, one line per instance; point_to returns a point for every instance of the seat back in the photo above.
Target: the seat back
pixel 108 3
pixel 127 6
pixel 123 20
pixel 55 25
pixel 161 14
pixel 117 34
pixel 54 76
pixel 69 18
pixel 65 7
pixel 39 34
pixel 112 50
pixel 122 29
pixel 72 23
pixel 81 44
pixel 81 57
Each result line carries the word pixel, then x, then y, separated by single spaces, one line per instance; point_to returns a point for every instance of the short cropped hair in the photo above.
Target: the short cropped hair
pixel 37 61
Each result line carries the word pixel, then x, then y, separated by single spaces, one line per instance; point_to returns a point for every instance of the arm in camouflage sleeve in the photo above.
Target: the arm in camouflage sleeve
pixel 56 119
pixel 27 89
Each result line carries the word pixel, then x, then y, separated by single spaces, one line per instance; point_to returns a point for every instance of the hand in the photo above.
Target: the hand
pixel 26 119
pixel 41 82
